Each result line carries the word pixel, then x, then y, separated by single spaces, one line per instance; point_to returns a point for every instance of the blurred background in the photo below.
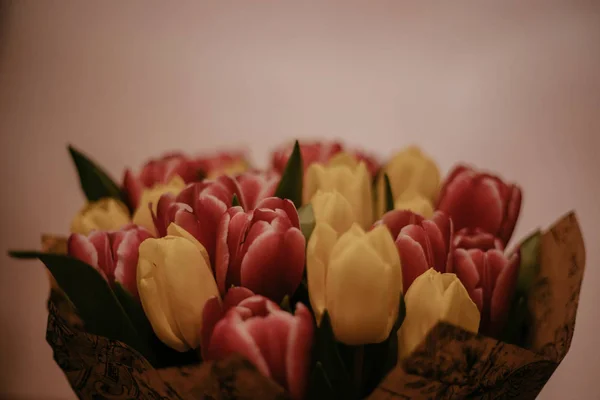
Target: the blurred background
pixel 510 86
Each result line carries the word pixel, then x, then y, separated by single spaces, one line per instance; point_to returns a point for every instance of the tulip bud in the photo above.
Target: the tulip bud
pixel 478 200
pixel 409 171
pixel 353 183
pixel 277 343
pixel 357 278
pixel 149 202
pixel 475 238
pixel 416 203
pixel 262 250
pixel 490 277
pixel 333 209
pixel 114 254
pixel 174 282
pixel 159 171
pixel 256 186
pixel 106 214
pixel 434 297
pixel 198 209
pixel 422 243
pixel 231 163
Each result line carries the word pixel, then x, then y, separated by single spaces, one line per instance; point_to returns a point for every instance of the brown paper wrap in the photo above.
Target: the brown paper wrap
pixel 449 364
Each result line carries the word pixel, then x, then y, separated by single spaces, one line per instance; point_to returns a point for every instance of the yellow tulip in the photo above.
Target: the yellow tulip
pixel 174 281
pixel 410 170
pixel 333 209
pixel 142 215
pixel 416 203
pixel 352 182
pixel 105 214
pixel 357 278
pixel 434 297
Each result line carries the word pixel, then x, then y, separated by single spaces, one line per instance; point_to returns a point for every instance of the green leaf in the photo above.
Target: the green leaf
pixel 328 355
pixel 530 261
pixel 89 292
pixel 95 182
pixel 290 186
pixel 319 386
pixel 389 196
pixel 307 220
pixel 516 330
pixel 285 304
pixel 235 202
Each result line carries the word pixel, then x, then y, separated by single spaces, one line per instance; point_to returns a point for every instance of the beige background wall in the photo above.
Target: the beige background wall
pixel 514 88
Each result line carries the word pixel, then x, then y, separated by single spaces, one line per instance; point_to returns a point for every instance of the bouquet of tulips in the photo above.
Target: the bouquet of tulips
pixel 326 276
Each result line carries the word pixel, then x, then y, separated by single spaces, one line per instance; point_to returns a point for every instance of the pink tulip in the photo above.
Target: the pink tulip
pixel 256 186
pixel 475 238
pixel 198 209
pixel 422 243
pixel 312 152
pixel 262 250
pixel 478 200
pixel 277 343
pixel 320 152
pixel 114 254
pixel 160 170
pixel 219 161
pixel 490 278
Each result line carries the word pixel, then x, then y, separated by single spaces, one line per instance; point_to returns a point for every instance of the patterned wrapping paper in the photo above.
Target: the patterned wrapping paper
pixel 450 363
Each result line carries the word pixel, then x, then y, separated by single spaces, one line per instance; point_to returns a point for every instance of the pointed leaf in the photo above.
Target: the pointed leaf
pixel 307 220
pixel 95 182
pixel 235 202
pixel 96 305
pixel 290 186
pixel 516 330
pixel 389 196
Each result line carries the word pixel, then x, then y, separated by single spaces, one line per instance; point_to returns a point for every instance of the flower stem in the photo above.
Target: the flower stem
pixel 359 355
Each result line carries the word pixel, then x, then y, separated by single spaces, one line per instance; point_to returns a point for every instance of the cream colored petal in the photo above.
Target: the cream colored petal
pixel 417 203
pixel 142 215
pixel 312 181
pixel 343 159
pixel 380 239
pixel 364 195
pixel 352 235
pixel 459 309
pixel 357 287
pixel 174 282
pixel 333 209
pixel 424 308
pixel 175 230
pixel 189 284
pixel 104 215
pixel 318 251
pixel 152 296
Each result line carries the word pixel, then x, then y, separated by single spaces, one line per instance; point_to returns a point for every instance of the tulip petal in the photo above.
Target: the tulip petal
pixel 412 256
pixel 357 284
pixel 286 205
pixel 318 252
pixel 503 295
pixel 513 208
pixel 299 346
pixel 397 219
pixel 80 247
pixel 132 188
pixel 212 313
pixel 125 250
pixel 230 336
